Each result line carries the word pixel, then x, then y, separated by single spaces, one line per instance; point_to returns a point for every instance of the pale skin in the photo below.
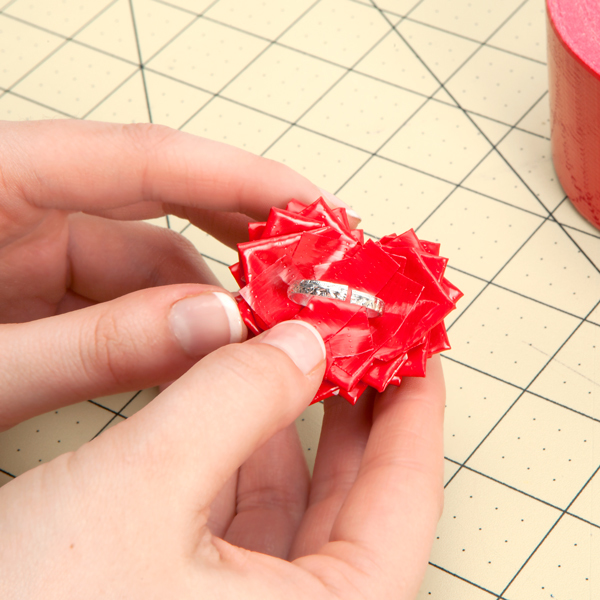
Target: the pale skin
pixel 205 492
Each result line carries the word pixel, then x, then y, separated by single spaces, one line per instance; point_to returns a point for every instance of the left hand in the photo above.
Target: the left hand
pixel 69 191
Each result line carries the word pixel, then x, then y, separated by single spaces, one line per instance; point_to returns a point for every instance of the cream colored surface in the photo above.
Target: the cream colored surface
pixel 332 89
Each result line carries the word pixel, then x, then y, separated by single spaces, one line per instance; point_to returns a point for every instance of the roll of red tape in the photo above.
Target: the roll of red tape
pixel 574 84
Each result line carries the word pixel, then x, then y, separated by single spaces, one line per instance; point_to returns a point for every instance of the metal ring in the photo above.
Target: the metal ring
pixel 303 290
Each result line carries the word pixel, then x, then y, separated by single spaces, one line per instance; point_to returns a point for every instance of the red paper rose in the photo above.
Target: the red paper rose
pixel 316 243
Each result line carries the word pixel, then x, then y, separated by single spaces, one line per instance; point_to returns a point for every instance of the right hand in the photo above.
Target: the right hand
pixel 204 493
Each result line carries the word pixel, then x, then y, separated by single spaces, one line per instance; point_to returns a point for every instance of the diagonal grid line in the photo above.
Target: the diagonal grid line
pixel 7 473
pixel 524 390
pixel 476 585
pixel 442 84
pixel 458 105
pixel 523 493
pixel 466 113
pixel 271 44
pixel 521 388
pixel 116 414
pixel 467 467
pixel 563 513
pixel 59 47
pixel 141 64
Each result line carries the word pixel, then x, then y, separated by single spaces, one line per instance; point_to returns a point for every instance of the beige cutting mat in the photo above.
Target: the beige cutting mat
pixel 430 114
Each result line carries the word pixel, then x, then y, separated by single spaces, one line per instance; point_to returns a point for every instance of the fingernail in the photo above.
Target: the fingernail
pixel 335 202
pixel 206 322
pixel 300 341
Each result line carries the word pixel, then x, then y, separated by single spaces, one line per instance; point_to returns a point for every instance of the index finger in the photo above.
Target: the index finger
pixel 388 520
pixel 100 167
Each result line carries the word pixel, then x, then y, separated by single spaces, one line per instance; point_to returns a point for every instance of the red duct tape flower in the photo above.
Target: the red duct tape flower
pixel 379 305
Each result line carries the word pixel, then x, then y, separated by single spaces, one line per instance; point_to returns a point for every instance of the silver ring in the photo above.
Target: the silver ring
pixel 303 290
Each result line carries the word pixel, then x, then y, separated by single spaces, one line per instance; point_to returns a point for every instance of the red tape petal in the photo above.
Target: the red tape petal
pixel 316 242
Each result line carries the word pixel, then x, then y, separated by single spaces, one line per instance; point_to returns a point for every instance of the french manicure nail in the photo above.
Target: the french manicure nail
pixel 206 322
pixel 300 341
pixel 335 202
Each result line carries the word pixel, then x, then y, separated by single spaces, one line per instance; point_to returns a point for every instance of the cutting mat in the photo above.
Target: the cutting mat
pixel 430 114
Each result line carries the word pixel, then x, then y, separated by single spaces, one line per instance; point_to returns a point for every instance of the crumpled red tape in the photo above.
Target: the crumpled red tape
pixel 316 242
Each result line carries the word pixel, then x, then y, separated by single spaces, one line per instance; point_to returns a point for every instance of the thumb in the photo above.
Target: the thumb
pixel 136 341
pixel 192 437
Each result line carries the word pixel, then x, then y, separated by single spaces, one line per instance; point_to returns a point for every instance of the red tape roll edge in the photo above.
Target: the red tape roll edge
pixel 574 87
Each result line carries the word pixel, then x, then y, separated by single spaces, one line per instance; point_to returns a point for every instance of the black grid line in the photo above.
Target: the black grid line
pixel 573 228
pixel 70 39
pixel 7 473
pixel 139 51
pixel 491 281
pixel 564 512
pixel 117 414
pixel 500 154
pixel 569 408
pixel 524 390
pixel 6 92
pixel 476 585
pixel 515 489
pixel 547 216
pixel 466 113
pixel 140 66
pixel 457 105
pixel 110 94
pixel 526 297
pixel 110 410
pixel 425 24
pixel 407 17
pixel 271 43
pixel 7 5
pixel 178 34
pixel 59 47
pixel 144 66
pixel 385 158
pixel 589 259
pixel 352 69
pixel 487 44
pixel 494 147
pixel 373 154
pixel 331 62
pixel 106 426
pixel 522 492
pixel 348 71
pixel 521 388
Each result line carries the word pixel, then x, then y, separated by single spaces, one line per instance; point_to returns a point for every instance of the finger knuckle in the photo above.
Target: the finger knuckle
pixel 147 136
pixel 257 370
pixel 180 248
pixel 103 351
pixel 272 497
pixel 179 259
pixel 148 143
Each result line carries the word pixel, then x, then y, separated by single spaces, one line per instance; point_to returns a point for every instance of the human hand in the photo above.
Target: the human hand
pixel 156 507
pixel 68 193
